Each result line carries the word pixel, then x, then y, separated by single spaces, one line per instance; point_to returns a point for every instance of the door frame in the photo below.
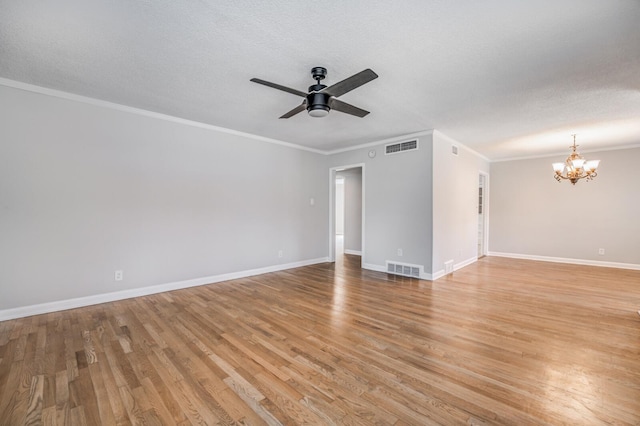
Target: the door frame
pixel 485 214
pixel 332 210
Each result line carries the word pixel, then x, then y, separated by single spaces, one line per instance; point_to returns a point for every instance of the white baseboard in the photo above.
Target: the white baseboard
pixel 61 305
pixel 372 267
pixel 426 276
pixel 567 260
pixel 459 265
pixel 464 263
pixel 356 252
pixel 438 274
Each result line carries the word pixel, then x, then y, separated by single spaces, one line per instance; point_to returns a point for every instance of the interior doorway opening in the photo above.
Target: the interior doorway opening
pixel 482 214
pixel 339 203
pixel 347 212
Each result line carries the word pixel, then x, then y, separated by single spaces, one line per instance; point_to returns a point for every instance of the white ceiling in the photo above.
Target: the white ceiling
pixel 506 78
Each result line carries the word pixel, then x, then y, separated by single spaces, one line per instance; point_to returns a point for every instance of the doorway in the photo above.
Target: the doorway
pixel 482 214
pixel 340 213
pixel 346 211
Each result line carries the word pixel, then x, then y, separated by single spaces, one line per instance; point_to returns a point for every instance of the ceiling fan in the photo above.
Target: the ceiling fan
pixel 321 99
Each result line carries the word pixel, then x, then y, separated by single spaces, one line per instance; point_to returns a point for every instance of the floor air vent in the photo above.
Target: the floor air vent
pixel 401 147
pixel 404 269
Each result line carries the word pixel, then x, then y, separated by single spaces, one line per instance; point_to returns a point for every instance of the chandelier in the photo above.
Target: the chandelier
pixel 575 167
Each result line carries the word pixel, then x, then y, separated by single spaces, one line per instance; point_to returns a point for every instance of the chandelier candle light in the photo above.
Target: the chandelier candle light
pixel 575 167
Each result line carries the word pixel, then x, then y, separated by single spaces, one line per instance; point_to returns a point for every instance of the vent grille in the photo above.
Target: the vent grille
pixel 403 269
pixel 401 147
pixel 448 267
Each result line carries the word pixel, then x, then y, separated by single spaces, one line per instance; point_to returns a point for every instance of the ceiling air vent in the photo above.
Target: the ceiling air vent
pixel 404 269
pixel 401 147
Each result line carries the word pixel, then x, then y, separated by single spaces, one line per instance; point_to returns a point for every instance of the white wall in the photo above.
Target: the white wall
pixel 86 190
pixel 398 203
pixel 340 206
pixel 455 203
pixel 353 210
pixel 533 215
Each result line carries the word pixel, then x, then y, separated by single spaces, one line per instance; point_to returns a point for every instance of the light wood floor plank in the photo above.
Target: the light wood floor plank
pixel 500 342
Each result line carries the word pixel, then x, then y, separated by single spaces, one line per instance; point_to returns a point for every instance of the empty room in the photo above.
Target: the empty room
pixel 334 213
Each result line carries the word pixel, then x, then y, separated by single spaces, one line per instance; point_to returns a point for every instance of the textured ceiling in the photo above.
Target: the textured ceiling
pixel 506 78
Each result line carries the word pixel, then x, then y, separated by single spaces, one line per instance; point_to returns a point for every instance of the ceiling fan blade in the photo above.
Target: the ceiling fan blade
pixel 279 87
pixel 347 108
pixel 353 82
pixel 296 110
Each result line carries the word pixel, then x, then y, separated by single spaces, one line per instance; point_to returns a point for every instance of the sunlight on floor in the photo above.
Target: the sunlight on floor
pixel 339 290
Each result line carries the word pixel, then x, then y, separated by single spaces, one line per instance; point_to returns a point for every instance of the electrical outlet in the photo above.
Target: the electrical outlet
pixel 601 252
pixel 448 266
pixel 118 276
pixel 280 253
pixel 400 252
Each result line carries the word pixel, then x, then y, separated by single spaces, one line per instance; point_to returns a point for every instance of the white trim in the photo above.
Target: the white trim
pixel 123 108
pixel 139 111
pixel 464 263
pixel 362 218
pixel 427 276
pixel 354 252
pixel 61 305
pixel 564 153
pixel 439 274
pixel 332 214
pixel 372 267
pixel 459 144
pixel 485 213
pixel 567 260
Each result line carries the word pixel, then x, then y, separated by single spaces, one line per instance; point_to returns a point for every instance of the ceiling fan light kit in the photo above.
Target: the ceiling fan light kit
pixel 320 99
pixel 318 111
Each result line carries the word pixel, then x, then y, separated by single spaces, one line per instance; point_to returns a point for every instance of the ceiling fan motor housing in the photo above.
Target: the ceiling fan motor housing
pixel 318 103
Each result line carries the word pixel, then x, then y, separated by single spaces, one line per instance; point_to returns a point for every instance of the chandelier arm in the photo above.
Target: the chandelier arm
pixel 575 167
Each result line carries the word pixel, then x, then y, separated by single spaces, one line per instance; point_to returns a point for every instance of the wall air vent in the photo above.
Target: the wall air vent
pixel 404 269
pixel 395 148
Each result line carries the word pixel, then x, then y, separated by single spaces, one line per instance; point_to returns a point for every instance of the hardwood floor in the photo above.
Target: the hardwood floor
pixel 501 341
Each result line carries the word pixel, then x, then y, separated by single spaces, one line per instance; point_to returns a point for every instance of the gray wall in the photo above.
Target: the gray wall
pixel 455 203
pixel 87 190
pixel 398 203
pixel 532 214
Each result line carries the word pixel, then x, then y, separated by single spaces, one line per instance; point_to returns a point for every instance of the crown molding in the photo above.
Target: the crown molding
pixel 146 113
